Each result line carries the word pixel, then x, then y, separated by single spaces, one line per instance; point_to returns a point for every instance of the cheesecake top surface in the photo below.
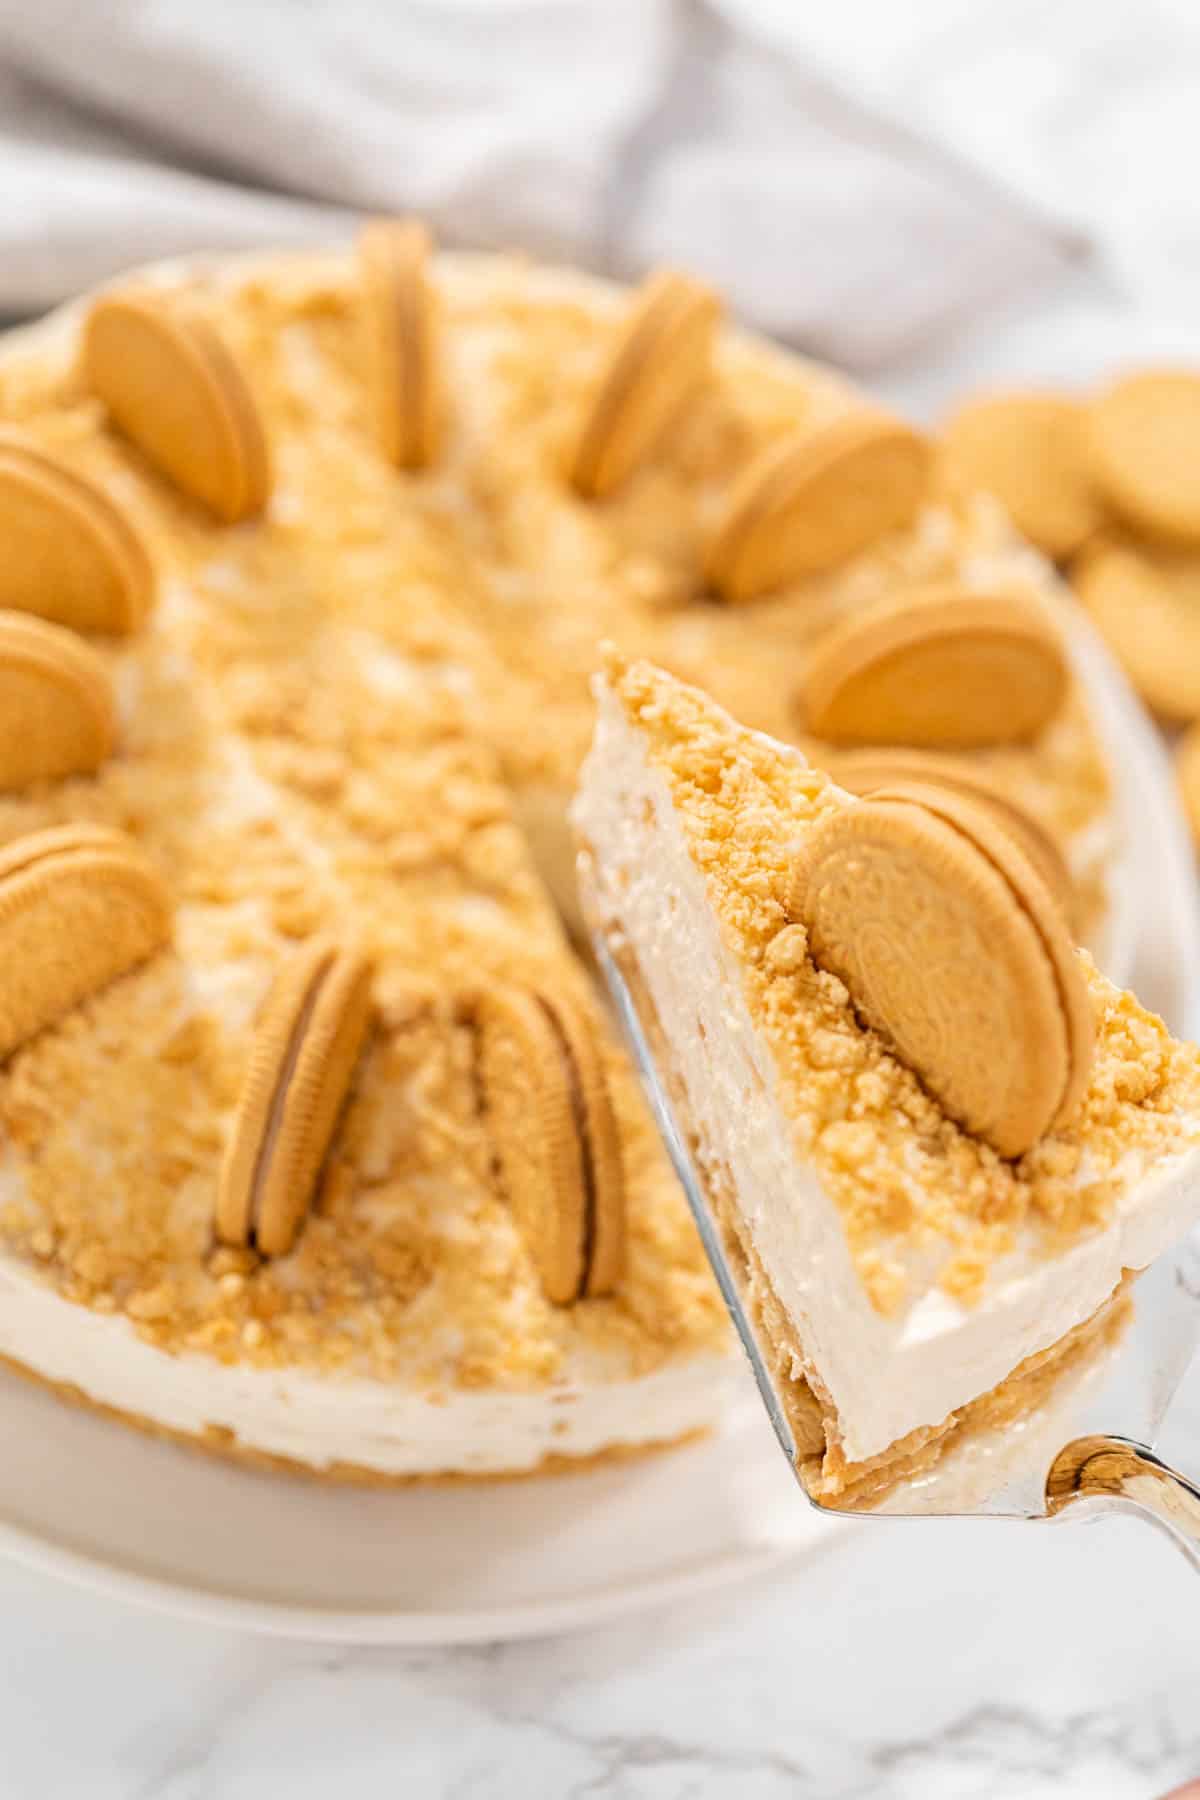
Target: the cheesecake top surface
pixel 299 752
pixel 923 1203
pixel 495 533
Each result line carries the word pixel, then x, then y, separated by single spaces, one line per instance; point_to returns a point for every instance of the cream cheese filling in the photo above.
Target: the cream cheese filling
pixel 885 1376
pixel 386 1427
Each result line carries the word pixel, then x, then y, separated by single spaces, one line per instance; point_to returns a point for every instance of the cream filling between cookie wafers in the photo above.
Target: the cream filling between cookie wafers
pixel 888 1371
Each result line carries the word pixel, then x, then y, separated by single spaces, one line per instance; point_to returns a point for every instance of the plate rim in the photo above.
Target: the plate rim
pixel 1140 761
pixel 386 1626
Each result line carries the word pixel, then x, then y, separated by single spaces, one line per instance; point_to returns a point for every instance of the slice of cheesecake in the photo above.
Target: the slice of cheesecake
pixel 909 1278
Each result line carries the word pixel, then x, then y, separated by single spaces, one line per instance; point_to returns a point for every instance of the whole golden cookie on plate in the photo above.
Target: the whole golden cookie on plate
pixel 307 1042
pixel 1144 438
pixel 70 554
pixel 401 340
pixel 79 906
pixel 1146 603
pixel 952 949
pixel 57 715
pixel 171 385
pixel 942 667
pixel 661 355
pixel 1030 449
pixel 865 772
pixel 816 498
pixel 554 1134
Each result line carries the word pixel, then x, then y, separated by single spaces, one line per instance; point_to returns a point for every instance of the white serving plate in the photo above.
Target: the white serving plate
pixel 102 1505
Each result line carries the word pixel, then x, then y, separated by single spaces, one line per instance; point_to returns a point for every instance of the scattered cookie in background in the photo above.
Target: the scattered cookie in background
pixel 1146 602
pixel 1107 484
pixel 1144 432
pixel 1030 449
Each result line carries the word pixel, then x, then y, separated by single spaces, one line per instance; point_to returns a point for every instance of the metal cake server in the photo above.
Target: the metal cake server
pixel 1064 1457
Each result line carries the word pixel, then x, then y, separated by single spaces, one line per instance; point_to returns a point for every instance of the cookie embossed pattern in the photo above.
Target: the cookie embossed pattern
pixel 927 1179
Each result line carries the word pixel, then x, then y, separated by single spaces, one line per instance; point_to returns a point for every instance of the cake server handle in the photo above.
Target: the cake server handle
pixel 1123 1476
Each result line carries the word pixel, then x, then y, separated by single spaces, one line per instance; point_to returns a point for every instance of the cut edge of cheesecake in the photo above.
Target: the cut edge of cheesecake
pixel 907 1285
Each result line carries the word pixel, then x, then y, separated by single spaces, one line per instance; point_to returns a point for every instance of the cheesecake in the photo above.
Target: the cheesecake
pixel 316 1146
pixel 936 1140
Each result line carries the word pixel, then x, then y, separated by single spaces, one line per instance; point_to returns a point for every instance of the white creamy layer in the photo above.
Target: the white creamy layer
pixel 887 1376
pixel 388 1427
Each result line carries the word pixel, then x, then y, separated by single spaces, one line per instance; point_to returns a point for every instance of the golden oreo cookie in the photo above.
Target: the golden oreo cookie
pixel 171 385
pixel 1144 441
pixel 952 949
pixel 69 554
pixel 554 1134
pixel 307 1043
pixel 865 772
pixel 401 340
pixel 79 906
pixel 661 355
pixel 1146 604
pixel 816 498
pixel 980 826
pixel 943 667
pixel 1030 449
pixel 57 716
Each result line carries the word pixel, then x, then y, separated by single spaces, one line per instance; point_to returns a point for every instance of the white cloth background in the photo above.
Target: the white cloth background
pixel 610 132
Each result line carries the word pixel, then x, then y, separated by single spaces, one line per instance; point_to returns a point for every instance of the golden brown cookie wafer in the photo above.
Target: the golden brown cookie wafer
pixel 1146 604
pixel 978 824
pixel 816 498
pixel 1144 445
pixel 172 386
pixel 79 906
pixel 865 772
pixel 604 1249
pixel 550 1116
pixel 1029 449
pixel 661 355
pixel 933 936
pixel 401 340
pixel 70 555
pixel 944 666
pixel 57 715
pixel 307 1043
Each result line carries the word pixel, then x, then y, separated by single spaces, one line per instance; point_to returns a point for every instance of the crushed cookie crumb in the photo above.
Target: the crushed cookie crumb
pixel 910 1185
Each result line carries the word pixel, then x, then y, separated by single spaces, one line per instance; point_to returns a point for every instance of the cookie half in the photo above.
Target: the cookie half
pixel 554 1135
pixel 953 950
pixel 942 667
pixel 173 387
pixel 306 1047
pixel 70 555
pixel 401 329
pixel 57 713
pixel 79 907
pixel 816 498
pixel 866 772
pixel 661 355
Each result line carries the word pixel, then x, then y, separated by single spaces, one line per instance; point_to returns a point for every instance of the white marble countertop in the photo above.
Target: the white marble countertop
pixel 979 1662
pixel 910 1661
